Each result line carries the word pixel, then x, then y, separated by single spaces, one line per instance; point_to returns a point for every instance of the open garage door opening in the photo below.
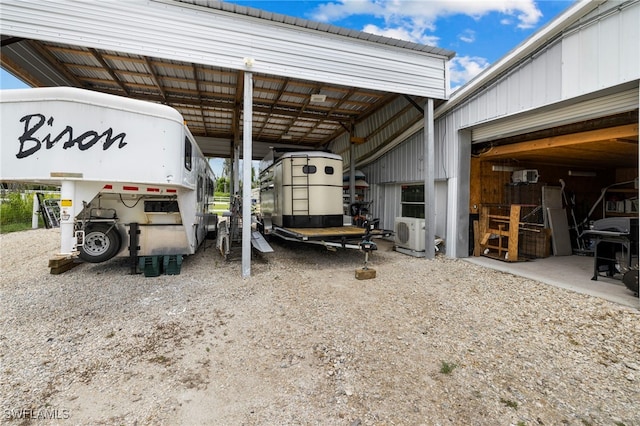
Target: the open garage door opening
pixel 566 191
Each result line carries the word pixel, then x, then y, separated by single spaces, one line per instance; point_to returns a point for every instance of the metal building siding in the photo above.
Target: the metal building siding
pixel 202 35
pixel 629 27
pixel 405 163
pixel 603 52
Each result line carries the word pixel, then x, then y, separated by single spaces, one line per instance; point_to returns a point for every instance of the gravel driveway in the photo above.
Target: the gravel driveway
pixel 301 341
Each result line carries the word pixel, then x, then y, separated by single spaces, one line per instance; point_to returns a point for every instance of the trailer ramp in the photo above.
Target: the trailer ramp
pixel 259 243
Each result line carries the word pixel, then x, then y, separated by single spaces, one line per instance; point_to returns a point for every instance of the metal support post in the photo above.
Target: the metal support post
pixel 429 181
pixel 247 155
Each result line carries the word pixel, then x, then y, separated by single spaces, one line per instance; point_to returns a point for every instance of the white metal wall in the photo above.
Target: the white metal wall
pixel 404 165
pixel 602 51
pixel 197 34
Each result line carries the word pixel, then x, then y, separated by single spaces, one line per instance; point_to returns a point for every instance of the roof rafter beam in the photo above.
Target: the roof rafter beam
pixel 155 79
pixel 414 103
pixel 392 137
pixel 16 69
pixel 611 133
pixel 388 122
pixel 342 101
pixel 303 106
pixel 55 63
pixel 278 96
pixel 108 69
pixel 10 40
pixel 360 118
pixel 197 81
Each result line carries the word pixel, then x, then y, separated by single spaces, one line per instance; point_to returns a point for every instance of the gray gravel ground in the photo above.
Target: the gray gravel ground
pixel 302 341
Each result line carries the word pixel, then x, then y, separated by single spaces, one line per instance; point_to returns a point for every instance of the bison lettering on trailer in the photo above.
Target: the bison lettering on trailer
pixel 33 138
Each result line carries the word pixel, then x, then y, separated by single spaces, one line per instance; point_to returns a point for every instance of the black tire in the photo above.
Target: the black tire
pixel 101 243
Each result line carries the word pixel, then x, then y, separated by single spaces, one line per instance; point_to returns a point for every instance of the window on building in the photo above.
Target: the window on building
pixel 412 201
pixel 309 170
pixel 328 170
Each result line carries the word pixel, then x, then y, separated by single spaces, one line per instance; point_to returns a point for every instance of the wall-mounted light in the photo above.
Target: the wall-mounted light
pixel 581 174
pixel 249 62
pixel 318 98
pixel 497 168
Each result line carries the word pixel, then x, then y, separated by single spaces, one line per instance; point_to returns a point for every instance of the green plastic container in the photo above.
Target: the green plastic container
pixel 172 264
pixel 150 265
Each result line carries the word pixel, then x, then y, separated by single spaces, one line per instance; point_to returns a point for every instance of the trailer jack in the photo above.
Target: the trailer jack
pixel 366 273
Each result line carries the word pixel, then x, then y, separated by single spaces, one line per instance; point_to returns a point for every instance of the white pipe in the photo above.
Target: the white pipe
pixel 36 207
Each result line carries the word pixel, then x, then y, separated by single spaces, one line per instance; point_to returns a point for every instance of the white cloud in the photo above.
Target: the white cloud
pixel 464 68
pixel 412 19
pixel 467 36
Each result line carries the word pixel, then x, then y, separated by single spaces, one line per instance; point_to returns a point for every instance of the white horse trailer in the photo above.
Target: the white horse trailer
pixel 133 181
pixel 301 199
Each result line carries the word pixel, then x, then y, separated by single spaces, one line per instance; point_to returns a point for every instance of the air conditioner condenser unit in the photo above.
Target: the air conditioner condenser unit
pixel 525 176
pixel 409 234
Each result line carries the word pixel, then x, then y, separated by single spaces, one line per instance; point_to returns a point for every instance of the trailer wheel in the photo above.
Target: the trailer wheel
pixel 101 243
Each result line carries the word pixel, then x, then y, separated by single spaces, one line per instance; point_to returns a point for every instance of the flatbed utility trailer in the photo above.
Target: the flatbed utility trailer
pixel 133 180
pixel 301 200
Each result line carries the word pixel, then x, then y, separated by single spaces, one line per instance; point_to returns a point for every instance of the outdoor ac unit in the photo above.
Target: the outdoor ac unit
pixel 409 233
pixel 525 176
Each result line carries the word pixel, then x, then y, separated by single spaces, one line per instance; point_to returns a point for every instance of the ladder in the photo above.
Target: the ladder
pixel 50 211
pixel 300 185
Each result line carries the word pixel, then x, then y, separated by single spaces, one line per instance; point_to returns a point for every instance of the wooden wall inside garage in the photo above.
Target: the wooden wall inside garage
pixel 489 186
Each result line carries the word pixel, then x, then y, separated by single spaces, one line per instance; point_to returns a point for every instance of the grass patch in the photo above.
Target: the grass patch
pixel 509 403
pixel 161 359
pixel 15 227
pixel 447 367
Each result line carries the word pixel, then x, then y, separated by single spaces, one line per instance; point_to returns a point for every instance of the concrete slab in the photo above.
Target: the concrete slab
pixel 569 272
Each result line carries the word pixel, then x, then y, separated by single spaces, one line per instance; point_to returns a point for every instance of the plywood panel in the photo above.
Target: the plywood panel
pixel 560 240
